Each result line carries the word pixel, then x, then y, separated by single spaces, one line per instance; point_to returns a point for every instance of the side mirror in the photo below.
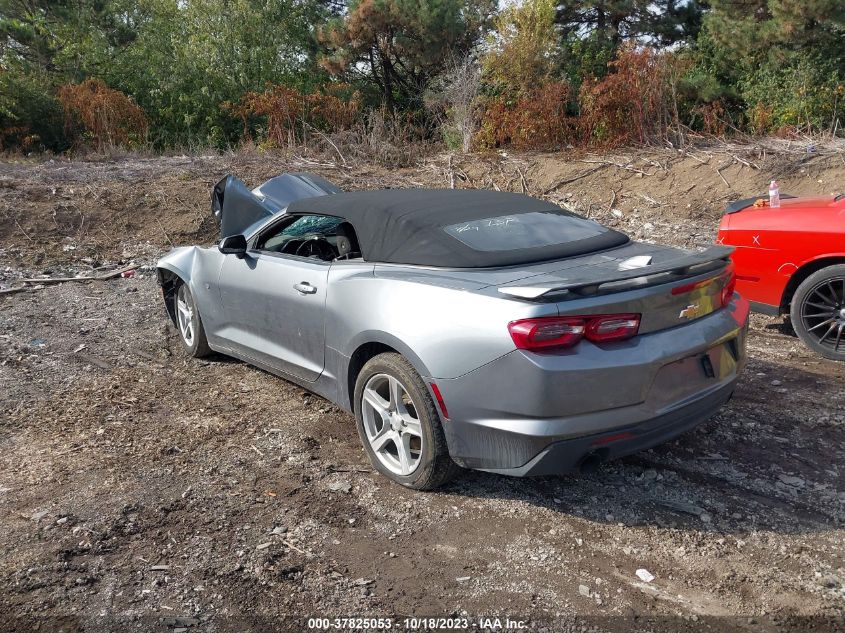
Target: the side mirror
pixel 233 245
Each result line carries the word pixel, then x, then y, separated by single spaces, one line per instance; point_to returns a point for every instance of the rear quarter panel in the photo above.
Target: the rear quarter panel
pixel 772 244
pixel 443 329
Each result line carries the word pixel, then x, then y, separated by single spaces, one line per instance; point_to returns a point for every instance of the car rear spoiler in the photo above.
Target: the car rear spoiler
pixel 739 205
pixel 596 281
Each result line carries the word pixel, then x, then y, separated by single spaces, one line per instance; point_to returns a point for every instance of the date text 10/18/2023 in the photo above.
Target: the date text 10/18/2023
pixel 417 624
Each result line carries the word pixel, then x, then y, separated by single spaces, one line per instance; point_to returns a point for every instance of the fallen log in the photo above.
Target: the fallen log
pixel 59 280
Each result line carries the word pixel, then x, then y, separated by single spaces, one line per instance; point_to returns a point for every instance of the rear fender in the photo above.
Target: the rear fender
pixel 383 338
pixel 805 270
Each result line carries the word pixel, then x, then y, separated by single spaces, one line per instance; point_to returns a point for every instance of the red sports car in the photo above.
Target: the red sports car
pixel 791 260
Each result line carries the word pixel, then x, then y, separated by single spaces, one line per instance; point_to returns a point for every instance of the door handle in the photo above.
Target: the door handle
pixel 304 288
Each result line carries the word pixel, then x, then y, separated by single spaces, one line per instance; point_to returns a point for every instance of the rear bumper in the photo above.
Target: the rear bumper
pixel 531 413
pixel 569 455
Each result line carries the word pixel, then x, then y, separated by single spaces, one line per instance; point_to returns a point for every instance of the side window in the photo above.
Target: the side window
pixel 321 237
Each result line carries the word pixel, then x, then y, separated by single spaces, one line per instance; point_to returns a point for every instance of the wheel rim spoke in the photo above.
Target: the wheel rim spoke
pixel 392 430
pixel 821 306
pixel 382 438
pixel 818 325
pixel 818 315
pixel 396 394
pixel 826 305
pixel 829 330
pixel 406 460
pixel 838 337
pixel 185 316
pixel 831 301
pixel 378 403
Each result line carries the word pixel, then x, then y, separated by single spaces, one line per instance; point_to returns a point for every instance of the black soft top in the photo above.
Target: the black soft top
pixel 408 226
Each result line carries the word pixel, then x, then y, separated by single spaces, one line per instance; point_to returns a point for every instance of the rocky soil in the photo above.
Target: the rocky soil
pixel 144 490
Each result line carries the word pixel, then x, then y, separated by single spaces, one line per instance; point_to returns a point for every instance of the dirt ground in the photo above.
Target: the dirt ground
pixel 143 490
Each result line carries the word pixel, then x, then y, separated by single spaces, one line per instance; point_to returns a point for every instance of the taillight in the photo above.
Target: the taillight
pixel 547 333
pixel 728 276
pixel 730 285
pixel 613 328
pixel 679 290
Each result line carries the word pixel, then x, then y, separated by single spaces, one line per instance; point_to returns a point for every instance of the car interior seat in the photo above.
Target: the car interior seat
pixel 346 243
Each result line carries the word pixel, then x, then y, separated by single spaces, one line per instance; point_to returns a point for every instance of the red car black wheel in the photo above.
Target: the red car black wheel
pixel 818 312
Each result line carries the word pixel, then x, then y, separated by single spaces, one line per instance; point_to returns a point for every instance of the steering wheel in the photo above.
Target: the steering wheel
pixel 290 246
pixel 316 246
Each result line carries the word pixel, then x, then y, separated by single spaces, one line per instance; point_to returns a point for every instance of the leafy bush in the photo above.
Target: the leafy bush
pixel 803 94
pixel 98 116
pixel 286 113
pixel 522 51
pixel 636 102
pixel 30 116
pixel 537 120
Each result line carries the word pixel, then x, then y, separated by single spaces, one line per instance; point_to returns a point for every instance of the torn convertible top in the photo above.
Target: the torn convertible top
pixel 461 228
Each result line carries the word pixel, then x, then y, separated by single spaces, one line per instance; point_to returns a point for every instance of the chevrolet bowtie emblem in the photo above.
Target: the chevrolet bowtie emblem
pixel 690 312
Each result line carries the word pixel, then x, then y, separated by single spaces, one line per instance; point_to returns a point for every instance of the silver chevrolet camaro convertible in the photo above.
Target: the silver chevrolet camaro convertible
pixel 467 328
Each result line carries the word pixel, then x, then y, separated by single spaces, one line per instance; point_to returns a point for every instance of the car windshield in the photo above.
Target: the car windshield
pixel 524 230
pixel 322 224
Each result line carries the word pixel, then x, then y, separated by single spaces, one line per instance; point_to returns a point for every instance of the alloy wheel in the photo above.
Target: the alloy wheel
pixel 185 315
pixel 823 313
pixel 391 424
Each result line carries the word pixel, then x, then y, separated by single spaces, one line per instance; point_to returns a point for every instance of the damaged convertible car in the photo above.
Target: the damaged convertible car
pixel 467 328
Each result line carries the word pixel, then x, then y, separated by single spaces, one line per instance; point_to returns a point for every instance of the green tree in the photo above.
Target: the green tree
pixel 775 62
pixel 42 44
pixel 751 31
pixel 179 59
pixel 198 55
pixel 593 30
pixel 662 22
pixel 70 39
pixel 523 48
pixel 398 46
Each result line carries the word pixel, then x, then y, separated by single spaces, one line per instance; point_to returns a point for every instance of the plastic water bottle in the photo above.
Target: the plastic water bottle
pixel 774 195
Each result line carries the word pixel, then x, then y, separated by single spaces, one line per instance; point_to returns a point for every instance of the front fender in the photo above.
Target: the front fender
pixel 179 262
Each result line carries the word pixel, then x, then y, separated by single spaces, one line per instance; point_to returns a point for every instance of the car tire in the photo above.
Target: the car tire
pixel 404 442
pixel 188 323
pixel 817 312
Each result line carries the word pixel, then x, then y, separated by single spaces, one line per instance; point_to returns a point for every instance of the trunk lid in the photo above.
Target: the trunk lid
pixel 616 281
pixel 624 270
pixel 675 286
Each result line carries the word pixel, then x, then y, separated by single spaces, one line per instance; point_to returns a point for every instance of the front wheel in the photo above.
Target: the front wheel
pixel 399 425
pixel 189 324
pixel 818 312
